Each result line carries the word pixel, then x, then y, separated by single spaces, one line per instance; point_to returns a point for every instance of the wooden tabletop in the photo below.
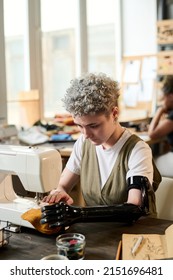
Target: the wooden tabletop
pixel 101 239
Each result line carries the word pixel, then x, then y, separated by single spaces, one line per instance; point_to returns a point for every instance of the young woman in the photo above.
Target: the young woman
pixel 112 165
pixel 162 126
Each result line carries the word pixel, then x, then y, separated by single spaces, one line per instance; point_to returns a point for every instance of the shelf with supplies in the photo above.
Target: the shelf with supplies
pixel 164 54
pixel 165 63
pixel 165 32
pixel 165 47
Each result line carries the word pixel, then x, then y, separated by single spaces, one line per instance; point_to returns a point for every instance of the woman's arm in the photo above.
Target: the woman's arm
pixel 160 126
pixel 68 178
pixel 135 197
pixel 67 181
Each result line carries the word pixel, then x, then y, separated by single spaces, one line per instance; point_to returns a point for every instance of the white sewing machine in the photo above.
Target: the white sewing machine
pixel 39 170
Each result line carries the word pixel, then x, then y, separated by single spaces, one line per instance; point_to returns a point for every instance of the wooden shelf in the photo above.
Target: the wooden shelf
pixel 164 57
pixel 165 63
pixel 165 32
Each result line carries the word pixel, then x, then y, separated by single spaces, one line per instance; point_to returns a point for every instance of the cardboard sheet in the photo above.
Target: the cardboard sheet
pixel 149 246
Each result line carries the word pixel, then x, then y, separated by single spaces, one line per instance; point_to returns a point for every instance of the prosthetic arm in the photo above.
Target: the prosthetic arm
pixel 61 214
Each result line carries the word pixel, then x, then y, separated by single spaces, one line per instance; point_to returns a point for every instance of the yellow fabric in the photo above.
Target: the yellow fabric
pixel 33 216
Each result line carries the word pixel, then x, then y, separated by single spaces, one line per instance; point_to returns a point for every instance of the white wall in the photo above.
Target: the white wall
pixel 139 19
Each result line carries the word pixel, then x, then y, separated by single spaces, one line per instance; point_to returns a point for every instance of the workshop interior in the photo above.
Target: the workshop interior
pixel 44 46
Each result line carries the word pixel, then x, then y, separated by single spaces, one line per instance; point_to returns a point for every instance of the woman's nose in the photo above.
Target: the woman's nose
pixel 86 132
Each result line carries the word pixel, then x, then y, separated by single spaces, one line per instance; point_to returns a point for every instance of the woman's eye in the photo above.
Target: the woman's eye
pixel 94 126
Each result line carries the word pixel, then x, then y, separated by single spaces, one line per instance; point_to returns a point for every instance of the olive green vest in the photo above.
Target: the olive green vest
pixel 90 177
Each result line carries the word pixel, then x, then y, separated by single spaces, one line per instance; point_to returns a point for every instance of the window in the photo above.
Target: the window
pixel 15 55
pixel 58 51
pixel 43 50
pixel 101 36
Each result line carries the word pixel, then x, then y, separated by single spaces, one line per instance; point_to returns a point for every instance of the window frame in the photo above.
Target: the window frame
pixel 34 40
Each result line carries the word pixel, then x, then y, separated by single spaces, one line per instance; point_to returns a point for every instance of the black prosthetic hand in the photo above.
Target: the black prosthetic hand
pixel 61 214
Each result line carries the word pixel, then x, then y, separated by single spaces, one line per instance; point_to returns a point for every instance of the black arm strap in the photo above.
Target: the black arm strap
pixel 141 183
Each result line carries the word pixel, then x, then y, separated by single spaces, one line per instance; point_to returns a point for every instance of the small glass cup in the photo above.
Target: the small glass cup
pixel 55 257
pixel 71 245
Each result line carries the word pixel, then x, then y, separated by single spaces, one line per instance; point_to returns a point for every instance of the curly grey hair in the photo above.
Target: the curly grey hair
pixel 91 94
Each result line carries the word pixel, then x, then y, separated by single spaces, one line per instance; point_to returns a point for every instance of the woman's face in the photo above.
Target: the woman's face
pixel 98 128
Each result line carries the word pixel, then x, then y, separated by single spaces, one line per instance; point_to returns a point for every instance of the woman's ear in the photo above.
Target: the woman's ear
pixel 115 112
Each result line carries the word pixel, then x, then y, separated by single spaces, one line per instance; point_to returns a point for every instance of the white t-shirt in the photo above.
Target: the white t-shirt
pixel 140 160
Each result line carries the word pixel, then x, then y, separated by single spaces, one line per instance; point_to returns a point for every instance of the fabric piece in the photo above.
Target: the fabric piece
pixel 33 216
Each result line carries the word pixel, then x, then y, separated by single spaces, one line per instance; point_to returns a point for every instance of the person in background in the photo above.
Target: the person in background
pixel 113 165
pixel 161 126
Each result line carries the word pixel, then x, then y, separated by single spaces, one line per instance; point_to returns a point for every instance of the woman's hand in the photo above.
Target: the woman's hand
pixel 57 196
pixel 67 181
